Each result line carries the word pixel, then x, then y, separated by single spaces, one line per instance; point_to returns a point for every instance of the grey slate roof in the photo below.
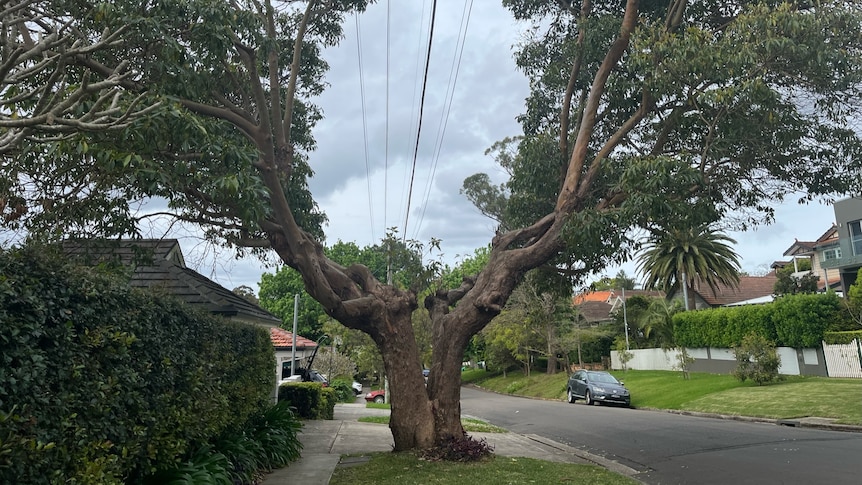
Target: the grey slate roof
pixel 158 264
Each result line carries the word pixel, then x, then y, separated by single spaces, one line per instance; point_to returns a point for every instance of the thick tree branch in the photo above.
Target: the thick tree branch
pixel 567 199
pixel 565 112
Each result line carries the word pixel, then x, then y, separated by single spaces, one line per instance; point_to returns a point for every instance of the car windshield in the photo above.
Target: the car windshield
pixel 602 377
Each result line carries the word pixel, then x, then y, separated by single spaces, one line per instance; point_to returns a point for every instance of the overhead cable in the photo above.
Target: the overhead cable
pixel 421 110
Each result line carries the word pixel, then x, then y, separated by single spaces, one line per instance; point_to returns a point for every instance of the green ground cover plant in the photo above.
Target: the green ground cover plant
pixel 400 468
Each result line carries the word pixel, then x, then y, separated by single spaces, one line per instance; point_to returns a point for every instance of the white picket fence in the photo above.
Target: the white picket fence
pixel 844 360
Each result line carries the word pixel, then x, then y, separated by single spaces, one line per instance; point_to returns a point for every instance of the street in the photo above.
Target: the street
pixel 669 448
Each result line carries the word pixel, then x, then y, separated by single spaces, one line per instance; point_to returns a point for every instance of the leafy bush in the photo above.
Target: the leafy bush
pixel 842 337
pixel 801 320
pixel 460 449
pixel 756 359
pixel 204 467
pixel 100 383
pixel 310 399
pixel 343 390
pixel 791 321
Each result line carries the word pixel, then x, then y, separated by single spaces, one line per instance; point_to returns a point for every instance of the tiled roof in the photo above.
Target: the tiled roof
pixel 604 296
pixel 830 234
pixel 608 295
pixel 800 248
pixel 595 311
pixel 283 338
pixel 158 264
pixel 806 248
pixel 750 287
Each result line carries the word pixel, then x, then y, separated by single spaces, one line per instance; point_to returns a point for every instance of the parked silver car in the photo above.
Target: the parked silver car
pixel 596 387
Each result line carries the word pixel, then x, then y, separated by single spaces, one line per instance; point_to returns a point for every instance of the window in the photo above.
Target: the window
pixel 832 253
pixel 855 237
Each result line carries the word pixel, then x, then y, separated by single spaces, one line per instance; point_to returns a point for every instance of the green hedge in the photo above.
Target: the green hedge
pixel 311 399
pixel 790 321
pixel 842 337
pixel 100 383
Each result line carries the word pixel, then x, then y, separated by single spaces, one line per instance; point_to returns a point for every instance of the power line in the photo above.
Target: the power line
pixel 386 140
pixel 364 124
pixel 421 110
pixel 450 95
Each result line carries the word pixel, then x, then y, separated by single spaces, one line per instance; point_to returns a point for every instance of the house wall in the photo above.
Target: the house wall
pixel 846 211
pixel 810 362
pixel 832 274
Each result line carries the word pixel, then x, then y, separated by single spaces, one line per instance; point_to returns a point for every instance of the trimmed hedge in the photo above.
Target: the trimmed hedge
pixel 100 383
pixel 842 337
pixel 311 399
pixel 790 321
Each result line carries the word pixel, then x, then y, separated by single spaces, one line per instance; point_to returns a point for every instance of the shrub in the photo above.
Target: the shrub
pixel 842 337
pixel 459 449
pixel 100 383
pixel 801 320
pixel 343 390
pixel 756 359
pixel 310 399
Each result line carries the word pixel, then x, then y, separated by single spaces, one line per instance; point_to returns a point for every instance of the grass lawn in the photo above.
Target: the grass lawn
pixel 548 386
pixel 402 468
pixel 794 397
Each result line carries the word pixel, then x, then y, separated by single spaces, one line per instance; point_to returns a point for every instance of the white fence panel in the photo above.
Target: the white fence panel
pixel 789 361
pixel 843 360
pixel 646 359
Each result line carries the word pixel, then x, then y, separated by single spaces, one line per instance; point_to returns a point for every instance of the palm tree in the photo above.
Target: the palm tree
pixel 676 257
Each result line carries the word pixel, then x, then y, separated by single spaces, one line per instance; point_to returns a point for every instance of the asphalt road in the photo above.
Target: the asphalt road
pixel 668 448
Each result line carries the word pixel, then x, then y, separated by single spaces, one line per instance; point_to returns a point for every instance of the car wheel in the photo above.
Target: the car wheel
pixel 379 399
pixel 588 399
pixel 571 397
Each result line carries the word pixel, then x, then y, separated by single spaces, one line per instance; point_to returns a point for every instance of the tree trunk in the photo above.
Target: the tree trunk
pixel 411 420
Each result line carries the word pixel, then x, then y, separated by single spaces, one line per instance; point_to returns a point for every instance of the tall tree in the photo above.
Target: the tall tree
pixel 618 282
pixel 637 113
pixel 676 258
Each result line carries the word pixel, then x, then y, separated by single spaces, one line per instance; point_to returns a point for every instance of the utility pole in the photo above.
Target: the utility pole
pixel 685 290
pixel 625 319
pixel 293 349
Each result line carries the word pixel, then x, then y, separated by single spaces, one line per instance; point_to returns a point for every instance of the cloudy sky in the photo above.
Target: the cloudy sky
pixel 362 181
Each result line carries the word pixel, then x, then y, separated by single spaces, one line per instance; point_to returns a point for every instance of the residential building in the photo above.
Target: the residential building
pixel 158 264
pixel 597 307
pixel 751 290
pixel 815 253
pixel 845 253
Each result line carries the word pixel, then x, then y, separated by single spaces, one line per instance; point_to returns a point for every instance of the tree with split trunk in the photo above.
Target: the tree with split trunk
pixel 638 112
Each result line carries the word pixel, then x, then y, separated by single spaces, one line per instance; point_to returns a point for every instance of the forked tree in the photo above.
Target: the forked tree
pixel 660 109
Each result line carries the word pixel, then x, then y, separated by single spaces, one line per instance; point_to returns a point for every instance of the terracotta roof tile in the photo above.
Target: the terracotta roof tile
pixel 595 311
pixel 283 338
pixel 603 295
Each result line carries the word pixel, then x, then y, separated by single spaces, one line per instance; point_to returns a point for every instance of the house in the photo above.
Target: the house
pixel 844 253
pixel 814 252
pixel 597 307
pixel 751 290
pixel 282 340
pixel 159 264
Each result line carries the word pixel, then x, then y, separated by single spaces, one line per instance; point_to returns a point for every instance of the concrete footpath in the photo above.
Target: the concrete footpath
pixel 325 441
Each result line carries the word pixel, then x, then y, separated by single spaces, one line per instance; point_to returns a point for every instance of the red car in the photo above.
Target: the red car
pixel 378 396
